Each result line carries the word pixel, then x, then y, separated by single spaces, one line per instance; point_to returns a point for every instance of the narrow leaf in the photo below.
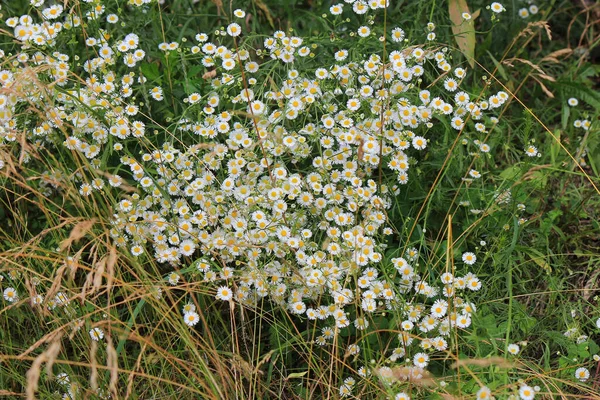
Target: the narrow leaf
pixel 297 375
pixel 499 66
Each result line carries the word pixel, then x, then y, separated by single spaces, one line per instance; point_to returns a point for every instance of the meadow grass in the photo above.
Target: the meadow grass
pixel 299 199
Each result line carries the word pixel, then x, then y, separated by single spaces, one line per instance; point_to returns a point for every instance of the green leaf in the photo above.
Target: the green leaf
pixel 297 375
pixel 150 71
pixel 566 113
pixel 498 66
pixel 463 30
pixel 510 172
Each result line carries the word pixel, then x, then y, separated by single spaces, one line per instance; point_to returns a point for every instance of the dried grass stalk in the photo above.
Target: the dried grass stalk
pixel 33 374
pixel 93 366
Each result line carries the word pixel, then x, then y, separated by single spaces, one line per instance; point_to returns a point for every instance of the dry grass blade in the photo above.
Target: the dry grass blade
pixel 56 283
pixel 110 267
pixel 447 396
pixel 209 74
pixel 9 393
pixel 553 57
pixel 592 285
pixel 51 337
pixel 123 186
pixel 30 289
pixel 509 61
pixel 100 267
pixel 89 281
pixel 78 231
pixel 11 169
pixel 544 88
pixel 111 363
pixel 263 7
pixel 33 374
pixel 219 4
pixel 265 359
pixel 484 362
pixel 547 77
pixel 415 376
pixel 93 366
pixel 242 366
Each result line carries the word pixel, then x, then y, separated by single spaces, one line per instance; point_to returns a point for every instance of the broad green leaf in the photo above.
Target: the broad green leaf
pixel 463 30
pixel 150 71
pixel 510 172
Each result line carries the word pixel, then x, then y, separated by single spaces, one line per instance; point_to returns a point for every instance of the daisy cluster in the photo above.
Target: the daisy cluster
pixel 276 192
pixel 280 196
pixel 528 10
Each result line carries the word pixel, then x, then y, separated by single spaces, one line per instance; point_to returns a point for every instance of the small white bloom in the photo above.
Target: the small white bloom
pixel 10 295
pixel 526 392
pixel 513 349
pixel 336 9
pixel 224 293
pixel 96 334
pixel 497 7
pixel 484 393
pixel 531 151
pixel 469 258
pixel 234 29
pixel 583 374
pixel 364 31
pixel 191 318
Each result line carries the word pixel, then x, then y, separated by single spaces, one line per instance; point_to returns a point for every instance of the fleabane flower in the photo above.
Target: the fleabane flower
pixel 523 13
pixel 531 151
pixel 96 334
pixel 497 7
pixel 583 374
pixel 526 392
pixel 484 393
pixel 421 360
pixel 234 29
pixel 336 9
pixel 224 293
pixel 364 31
pixel 397 35
pixel 419 142
pixel 10 295
pixel 469 258
pixel 191 318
